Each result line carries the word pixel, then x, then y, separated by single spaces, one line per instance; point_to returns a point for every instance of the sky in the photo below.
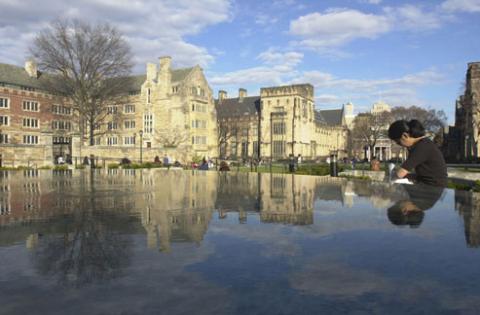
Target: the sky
pixel 361 51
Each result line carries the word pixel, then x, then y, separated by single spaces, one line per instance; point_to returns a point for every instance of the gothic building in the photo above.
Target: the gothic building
pixel 280 122
pixel 461 142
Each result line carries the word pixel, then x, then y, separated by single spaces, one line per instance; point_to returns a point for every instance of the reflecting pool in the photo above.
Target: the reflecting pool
pixel 183 242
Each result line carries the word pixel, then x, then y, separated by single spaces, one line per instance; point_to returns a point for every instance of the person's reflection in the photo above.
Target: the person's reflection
pixel 410 211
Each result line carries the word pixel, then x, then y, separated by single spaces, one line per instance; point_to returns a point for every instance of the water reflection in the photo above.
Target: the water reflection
pixel 468 206
pixel 410 211
pixel 177 206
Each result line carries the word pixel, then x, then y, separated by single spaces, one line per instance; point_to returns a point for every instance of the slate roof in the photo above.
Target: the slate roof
pixel 331 117
pixel 16 75
pixel 232 107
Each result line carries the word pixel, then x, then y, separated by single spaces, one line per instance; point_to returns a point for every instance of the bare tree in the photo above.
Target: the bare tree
pixel 225 131
pixel 173 137
pixel 369 128
pixel 87 64
pixel 433 120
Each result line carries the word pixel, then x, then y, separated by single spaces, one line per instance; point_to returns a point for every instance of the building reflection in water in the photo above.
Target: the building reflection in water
pixel 468 206
pixel 84 217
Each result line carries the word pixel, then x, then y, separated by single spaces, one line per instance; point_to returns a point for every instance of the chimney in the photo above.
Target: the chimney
pixel 165 75
pixel 151 71
pixel 31 68
pixel 165 63
pixel 242 93
pixel 222 95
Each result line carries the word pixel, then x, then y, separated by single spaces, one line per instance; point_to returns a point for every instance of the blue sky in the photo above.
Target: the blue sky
pixel 362 51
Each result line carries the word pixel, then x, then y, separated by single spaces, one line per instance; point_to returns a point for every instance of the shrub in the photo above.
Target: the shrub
pixel 112 166
pixel 125 161
pixel 60 168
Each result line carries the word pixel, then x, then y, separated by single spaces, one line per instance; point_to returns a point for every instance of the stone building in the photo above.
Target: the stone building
pixel 167 112
pixel 383 149
pixel 462 141
pixel 280 122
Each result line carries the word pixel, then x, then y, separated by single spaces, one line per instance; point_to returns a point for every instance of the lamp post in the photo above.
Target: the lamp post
pixel 467 153
pixel 141 145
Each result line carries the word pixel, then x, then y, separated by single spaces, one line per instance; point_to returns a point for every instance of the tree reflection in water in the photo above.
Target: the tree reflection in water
pixel 91 247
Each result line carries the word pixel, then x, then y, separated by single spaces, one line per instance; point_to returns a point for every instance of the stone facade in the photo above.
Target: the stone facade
pixel 168 112
pixel 279 123
pixel 462 141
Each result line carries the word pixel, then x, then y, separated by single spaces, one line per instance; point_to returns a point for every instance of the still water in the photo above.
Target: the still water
pixel 179 242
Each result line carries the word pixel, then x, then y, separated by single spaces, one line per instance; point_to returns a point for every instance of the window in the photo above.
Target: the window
pixel 278 148
pixel 3 138
pixel 129 140
pixel 3 120
pixel 279 109
pixel 98 140
pixel 112 125
pixel 61 110
pixel 129 109
pixel 61 125
pixel 201 108
pixel 148 95
pixel 148 123
pixel 112 141
pixel 199 124
pixel 199 140
pixel 29 139
pixel 112 110
pixel 129 124
pixel 30 123
pixel 279 128
pixel 4 102
pixel 30 106
pixel 175 89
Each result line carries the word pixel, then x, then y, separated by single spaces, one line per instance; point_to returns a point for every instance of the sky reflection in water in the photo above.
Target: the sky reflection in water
pixel 136 241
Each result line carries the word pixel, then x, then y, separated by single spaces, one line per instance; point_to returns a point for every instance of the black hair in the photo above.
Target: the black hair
pixel 413 127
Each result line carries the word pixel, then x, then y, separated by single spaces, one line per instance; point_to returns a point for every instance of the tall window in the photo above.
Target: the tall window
pixel 278 148
pixel 4 102
pixel 148 123
pixel 3 138
pixel 279 128
pixel 3 120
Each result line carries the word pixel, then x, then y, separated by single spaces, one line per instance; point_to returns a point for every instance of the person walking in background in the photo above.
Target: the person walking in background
pixel 424 156
pixel 204 165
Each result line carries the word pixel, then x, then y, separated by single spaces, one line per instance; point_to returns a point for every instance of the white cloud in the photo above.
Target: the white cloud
pixel 411 17
pixel 472 6
pixel 276 69
pixel 326 99
pixel 153 28
pixel 395 91
pixel 337 27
